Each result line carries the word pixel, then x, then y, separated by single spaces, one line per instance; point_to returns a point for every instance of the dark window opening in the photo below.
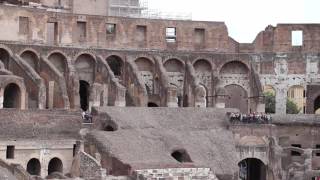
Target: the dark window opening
pixel 55 165
pixel 84 93
pixel 318 148
pixel 74 150
pixel 179 101
pixel 11 96
pixel 34 167
pixel 10 152
pixel 151 104
pixel 181 156
pixel 115 64
pixel 295 153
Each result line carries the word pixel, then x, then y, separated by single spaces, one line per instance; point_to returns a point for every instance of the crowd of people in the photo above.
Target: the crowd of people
pixel 254 118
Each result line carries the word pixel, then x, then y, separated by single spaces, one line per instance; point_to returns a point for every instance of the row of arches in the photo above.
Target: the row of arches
pixel 34 166
pixel 85 65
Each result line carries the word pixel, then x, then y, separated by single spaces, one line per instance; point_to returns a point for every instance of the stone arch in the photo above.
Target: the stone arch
pixel 5 57
pixel 32 58
pixel 59 60
pixel 202 96
pixel 85 65
pixel 152 104
pixel 146 71
pixel 144 64
pixel 236 97
pixel 316 105
pixel 174 65
pixel 181 155
pixel 116 64
pixel 297 94
pixel 12 96
pixel 202 65
pixel 34 167
pixel 270 98
pixel 234 67
pixel 55 165
pixel 252 169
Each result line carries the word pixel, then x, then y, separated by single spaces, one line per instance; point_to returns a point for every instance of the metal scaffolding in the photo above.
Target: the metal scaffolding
pixel 139 9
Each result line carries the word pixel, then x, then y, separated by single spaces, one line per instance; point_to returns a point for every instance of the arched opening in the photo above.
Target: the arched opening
pixel 34 167
pixel 31 58
pixel 55 165
pixel 85 66
pixel 202 66
pixel 174 65
pixel 151 104
pixel 234 67
pixel 59 61
pixel 296 100
pixel 115 63
pixel 84 92
pixel 252 169
pixel 236 97
pixel 146 69
pixel 110 126
pixel 317 105
pixel 12 96
pixel 181 156
pixel 175 71
pixel 4 57
pixel 270 99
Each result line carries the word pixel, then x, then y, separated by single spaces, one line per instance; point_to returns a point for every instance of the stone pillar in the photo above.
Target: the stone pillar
pixel 50 94
pixel 172 97
pixel 281 100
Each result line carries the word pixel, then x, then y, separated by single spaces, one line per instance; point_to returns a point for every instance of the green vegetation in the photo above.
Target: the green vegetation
pixel 270 101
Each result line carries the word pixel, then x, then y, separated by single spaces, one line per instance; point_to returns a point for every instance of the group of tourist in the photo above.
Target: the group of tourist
pixel 254 118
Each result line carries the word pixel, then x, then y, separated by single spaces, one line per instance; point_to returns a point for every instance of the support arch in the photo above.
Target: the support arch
pixel 34 167
pixel 59 61
pixel 12 96
pixel 297 95
pixel 146 72
pixel 234 67
pixel 236 97
pixel 270 99
pixel 202 65
pixel 316 107
pixel 5 57
pixel 116 65
pixel 252 169
pixel 32 58
pixel 55 165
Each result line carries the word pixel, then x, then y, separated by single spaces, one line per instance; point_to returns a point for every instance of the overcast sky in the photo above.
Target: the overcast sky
pixel 245 18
